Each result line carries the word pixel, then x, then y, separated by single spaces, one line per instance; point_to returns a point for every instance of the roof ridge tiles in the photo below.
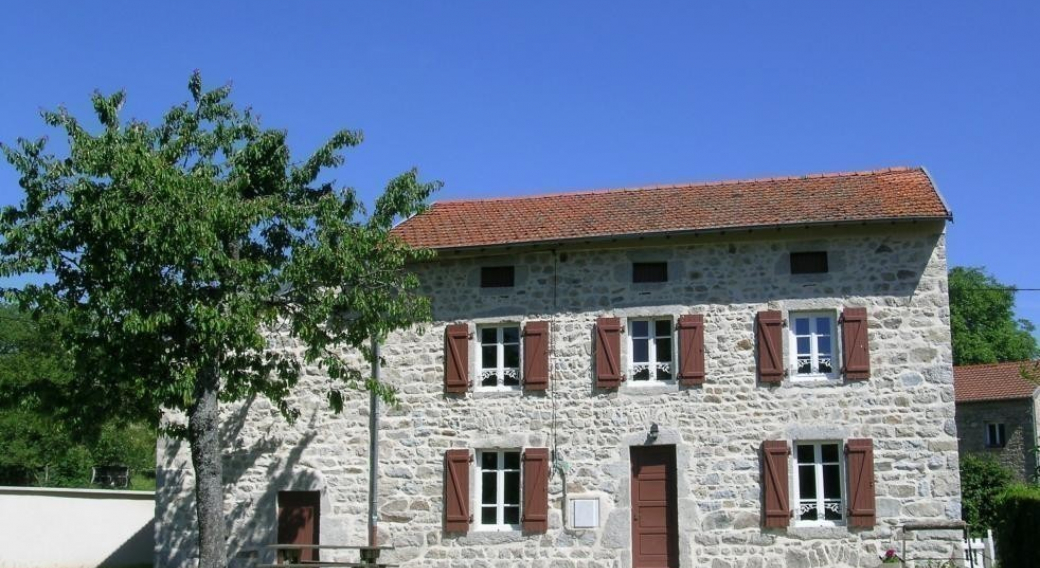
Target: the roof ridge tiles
pixel 681 185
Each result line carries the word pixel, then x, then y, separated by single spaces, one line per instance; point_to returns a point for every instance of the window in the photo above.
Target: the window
pixel 651 349
pixel 995 436
pixel 499 490
pixel 817 484
pixel 812 345
pixel 643 272
pixel 499 362
pixel 808 262
pixel 496 276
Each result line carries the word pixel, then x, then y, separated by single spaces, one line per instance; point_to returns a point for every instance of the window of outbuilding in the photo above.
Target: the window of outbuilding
pixel 814 262
pixel 995 436
pixel 497 276
pixel 643 272
pixel 819 491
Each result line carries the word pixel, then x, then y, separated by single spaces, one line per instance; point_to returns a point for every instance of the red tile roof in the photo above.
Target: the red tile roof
pixel 993 381
pixel 890 194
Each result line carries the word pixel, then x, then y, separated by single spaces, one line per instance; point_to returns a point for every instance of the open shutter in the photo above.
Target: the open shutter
pixel 769 327
pixel 536 356
pixel 456 357
pixel 855 352
pixel 776 502
pixel 691 349
pixel 456 491
pixel 608 353
pixel 860 469
pixel 536 490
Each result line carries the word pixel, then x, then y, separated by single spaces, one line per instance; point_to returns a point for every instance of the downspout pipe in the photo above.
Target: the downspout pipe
pixel 373 449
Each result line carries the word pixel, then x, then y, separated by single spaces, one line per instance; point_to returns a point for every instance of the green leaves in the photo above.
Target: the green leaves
pixel 982 320
pixel 197 242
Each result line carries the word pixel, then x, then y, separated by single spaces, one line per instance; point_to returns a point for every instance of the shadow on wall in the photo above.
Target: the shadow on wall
pixel 252 520
pixel 134 549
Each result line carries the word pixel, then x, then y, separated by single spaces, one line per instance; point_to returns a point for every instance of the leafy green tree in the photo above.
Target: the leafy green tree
pixel 982 319
pixel 37 445
pixel 180 250
pixel 983 481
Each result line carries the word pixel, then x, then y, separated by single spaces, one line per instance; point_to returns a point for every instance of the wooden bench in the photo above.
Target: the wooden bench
pixel 369 556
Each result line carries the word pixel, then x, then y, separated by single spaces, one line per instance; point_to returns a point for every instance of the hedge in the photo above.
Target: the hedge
pixel 1019 527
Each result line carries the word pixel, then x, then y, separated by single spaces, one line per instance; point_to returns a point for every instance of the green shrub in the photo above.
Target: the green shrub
pixel 983 481
pixel 1017 529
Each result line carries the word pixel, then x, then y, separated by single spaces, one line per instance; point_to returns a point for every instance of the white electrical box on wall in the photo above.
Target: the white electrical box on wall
pixel 585 513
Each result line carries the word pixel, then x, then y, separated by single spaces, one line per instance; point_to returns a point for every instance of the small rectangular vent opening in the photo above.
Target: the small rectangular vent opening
pixel 643 272
pixel 496 276
pixel 809 262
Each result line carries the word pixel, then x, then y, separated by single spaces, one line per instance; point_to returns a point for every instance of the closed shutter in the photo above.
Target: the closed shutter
pixel 691 349
pixel 855 351
pixel 608 353
pixel 536 356
pixel 456 491
pixel 769 338
pixel 456 357
pixel 776 502
pixel 860 469
pixel 536 490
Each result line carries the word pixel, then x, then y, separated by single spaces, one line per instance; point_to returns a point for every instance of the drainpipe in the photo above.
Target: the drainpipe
pixel 373 448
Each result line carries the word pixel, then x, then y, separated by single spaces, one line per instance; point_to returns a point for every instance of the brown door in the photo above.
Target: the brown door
pixel 298 516
pixel 655 515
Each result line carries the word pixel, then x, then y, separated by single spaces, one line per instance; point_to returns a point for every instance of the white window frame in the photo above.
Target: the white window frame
pixel 500 525
pixel 813 345
pixel 651 350
pixel 500 350
pixel 996 435
pixel 796 501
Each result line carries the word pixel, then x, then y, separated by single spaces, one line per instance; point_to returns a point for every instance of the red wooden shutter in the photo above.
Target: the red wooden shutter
pixel 855 352
pixel 769 337
pixel 536 356
pixel 456 491
pixel 456 357
pixel 776 502
pixel 536 490
pixel 608 353
pixel 691 349
pixel 860 469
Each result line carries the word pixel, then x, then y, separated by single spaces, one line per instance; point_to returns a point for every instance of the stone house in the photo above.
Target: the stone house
pixel 998 415
pixel 733 374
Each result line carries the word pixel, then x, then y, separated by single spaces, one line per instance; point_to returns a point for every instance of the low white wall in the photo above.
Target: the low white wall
pixel 75 528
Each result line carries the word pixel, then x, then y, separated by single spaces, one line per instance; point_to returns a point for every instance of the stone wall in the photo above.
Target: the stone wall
pixel 897 272
pixel 1019 431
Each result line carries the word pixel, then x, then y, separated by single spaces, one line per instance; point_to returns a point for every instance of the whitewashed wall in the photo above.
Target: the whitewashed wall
pixel 73 528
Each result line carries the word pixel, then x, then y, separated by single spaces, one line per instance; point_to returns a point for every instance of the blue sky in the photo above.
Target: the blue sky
pixel 498 98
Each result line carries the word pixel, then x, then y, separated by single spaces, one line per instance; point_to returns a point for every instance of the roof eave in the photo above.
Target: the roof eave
pixel 689 232
pixel 997 399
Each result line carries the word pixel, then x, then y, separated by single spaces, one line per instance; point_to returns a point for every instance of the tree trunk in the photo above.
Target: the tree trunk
pixel 204 437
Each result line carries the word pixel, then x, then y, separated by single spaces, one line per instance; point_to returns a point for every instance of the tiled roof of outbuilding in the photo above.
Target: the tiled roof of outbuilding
pixel 892 194
pixel 992 381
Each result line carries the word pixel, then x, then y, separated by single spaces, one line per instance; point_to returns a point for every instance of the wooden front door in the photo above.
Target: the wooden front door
pixel 655 515
pixel 298 517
